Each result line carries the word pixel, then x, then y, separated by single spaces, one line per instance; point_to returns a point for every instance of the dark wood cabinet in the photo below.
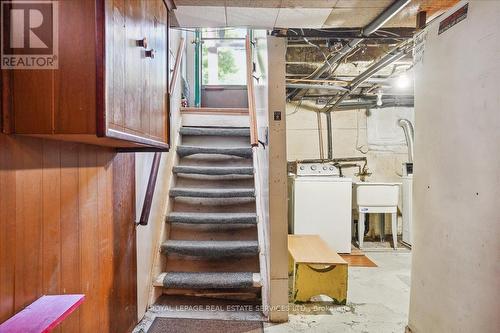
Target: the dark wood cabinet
pixel 110 87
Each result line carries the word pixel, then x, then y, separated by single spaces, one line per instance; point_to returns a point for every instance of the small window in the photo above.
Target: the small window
pixel 224 57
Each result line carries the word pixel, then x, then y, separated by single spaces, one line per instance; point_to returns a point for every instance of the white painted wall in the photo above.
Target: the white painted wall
pixel 148 236
pixel 455 282
pixel 261 87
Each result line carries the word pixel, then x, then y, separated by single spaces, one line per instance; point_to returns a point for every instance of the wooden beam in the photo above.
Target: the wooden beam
pixel 421 20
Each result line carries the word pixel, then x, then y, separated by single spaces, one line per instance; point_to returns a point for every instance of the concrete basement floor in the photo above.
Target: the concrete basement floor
pixel 377 301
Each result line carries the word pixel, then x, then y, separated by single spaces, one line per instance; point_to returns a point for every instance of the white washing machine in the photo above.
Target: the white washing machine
pixel 320 204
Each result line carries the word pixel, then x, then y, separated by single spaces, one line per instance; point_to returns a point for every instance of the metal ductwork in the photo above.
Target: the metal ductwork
pixel 315 86
pixel 385 16
pixel 390 103
pixel 373 26
pixel 395 54
pixel 409 134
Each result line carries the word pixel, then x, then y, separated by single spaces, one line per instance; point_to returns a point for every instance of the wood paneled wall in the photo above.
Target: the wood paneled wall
pixel 66 226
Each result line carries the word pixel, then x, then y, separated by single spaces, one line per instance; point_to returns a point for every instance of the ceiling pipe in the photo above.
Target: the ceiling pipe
pixel 373 105
pixel 316 86
pixel 343 33
pixel 373 26
pixel 385 16
pixel 329 62
pixel 409 135
pixel 329 134
pixel 389 58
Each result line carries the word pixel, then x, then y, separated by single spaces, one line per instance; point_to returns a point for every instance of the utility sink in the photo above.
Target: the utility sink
pixel 376 194
pixel 377 198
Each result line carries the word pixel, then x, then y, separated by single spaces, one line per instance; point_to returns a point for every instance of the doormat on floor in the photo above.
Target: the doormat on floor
pixel 358 260
pixel 184 325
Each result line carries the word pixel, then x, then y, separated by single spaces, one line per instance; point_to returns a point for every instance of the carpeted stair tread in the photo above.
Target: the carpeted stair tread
pixel 214 131
pixel 210 249
pixel 207 280
pixel 245 152
pixel 213 171
pixel 212 192
pixel 212 218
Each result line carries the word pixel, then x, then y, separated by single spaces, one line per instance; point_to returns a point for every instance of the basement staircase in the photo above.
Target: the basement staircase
pixel 212 245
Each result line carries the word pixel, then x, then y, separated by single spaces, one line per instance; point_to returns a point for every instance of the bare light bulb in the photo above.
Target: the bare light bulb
pixel 379 98
pixel 403 81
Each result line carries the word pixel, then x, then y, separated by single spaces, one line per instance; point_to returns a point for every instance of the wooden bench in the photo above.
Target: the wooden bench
pixel 314 269
pixel 43 315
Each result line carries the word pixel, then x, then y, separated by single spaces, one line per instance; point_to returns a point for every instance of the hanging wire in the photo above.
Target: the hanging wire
pixel 296 108
pixel 358 147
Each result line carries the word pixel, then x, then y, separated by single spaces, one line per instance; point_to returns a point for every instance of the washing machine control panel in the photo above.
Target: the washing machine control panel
pixel 317 169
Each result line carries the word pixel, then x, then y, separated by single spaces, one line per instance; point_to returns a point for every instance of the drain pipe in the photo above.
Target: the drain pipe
pixel 329 135
pixel 315 86
pixel 409 135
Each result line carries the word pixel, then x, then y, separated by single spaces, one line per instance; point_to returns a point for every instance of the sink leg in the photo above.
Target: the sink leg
pixel 382 227
pixel 361 229
pixel 394 230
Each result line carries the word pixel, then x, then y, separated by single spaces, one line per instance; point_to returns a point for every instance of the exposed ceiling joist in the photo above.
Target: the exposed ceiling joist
pixel 369 29
pixel 344 33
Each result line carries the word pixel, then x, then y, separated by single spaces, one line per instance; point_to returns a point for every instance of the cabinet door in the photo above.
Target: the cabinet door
pixel 115 63
pixel 136 51
pixel 135 66
pixel 156 94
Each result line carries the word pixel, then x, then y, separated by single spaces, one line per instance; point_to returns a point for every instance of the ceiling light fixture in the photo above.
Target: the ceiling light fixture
pixel 379 97
pixel 403 81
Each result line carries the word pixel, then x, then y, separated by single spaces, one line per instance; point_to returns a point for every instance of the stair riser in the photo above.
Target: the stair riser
pixel 215 161
pixel 221 184
pixel 177 263
pixel 238 205
pixel 247 294
pixel 213 232
pixel 215 141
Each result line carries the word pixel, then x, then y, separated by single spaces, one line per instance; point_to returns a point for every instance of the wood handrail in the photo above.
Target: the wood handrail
pixel 150 190
pixel 252 113
pixel 155 166
pixel 177 66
